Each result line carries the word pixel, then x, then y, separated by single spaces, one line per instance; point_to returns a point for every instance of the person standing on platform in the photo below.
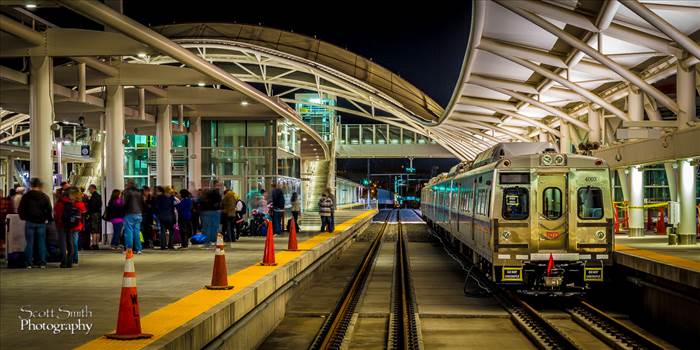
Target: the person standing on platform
pixel 277 197
pixel 229 211
pixel 296 209
pixel 17 197
pixel 115 215
pixel 65 237
pixel 330 195
pixel 133 207
pixel 94 213
pixel 75 223
pixel 210 214
pixel 325 206
pixel 184 217
pixel 35 209
pixel 165 213
pixel 147 217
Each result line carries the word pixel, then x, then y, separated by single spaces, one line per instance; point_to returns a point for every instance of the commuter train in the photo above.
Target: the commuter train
pixel 530 218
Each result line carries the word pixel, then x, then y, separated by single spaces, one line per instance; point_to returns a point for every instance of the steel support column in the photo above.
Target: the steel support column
pixel 635 104
pixel 564 138
pixel 164 139
pixel 636 211
pixel 194 160
pixel 594 125
pixel 686 196
pixel 685 91
pixel 40 120
pixel 114 128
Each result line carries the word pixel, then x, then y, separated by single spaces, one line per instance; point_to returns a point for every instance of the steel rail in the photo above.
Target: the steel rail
pixel 403 326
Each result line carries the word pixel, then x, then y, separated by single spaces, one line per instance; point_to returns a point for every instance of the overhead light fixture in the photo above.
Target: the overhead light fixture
pixel 30 6
pixel 200 84
pixel 141 55
pixel 244 103
pixel 303 138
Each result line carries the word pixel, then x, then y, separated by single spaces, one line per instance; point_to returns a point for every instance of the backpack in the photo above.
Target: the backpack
pixel 71 215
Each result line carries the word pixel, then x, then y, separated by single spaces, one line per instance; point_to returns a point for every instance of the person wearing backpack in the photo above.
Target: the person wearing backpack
pixel 115 215
pixel 184 217
pixel 65 239
pixel 228 206
pixel 73 219
pixel 241 210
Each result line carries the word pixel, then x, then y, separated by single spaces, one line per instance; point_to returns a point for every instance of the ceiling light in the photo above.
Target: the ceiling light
pixel 244 103
pixel 200 84
pixel 30 6
pixel 303 138
pixel 141 55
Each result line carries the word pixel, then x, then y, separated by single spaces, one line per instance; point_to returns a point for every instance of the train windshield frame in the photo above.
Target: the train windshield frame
pixel 594 196
pixel 516 203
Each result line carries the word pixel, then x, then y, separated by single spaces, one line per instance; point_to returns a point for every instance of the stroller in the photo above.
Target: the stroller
pixel 256 225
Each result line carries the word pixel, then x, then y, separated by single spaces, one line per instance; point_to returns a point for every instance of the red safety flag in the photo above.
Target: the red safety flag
pixel 550 264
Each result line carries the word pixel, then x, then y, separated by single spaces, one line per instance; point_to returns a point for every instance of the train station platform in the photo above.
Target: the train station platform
pixel 174 306
pixel 652 255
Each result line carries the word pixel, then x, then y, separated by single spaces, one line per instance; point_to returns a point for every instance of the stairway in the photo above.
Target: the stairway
pixel 317 173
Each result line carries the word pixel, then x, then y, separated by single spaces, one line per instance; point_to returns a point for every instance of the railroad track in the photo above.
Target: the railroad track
pixel 403 332
pixel 547 336
pixel 611 331
pixel 403 321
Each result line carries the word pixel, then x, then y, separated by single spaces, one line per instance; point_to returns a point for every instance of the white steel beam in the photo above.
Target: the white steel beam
pixel 583 47
pixel 659 23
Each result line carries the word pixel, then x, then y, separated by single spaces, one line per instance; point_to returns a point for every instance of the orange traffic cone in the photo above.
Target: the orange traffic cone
pixel 129 320
pixel 292 244
pixel 219 277
pixel 269 255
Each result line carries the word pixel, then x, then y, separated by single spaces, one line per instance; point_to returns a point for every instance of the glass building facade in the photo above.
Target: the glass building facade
pixel 655 184
pixel 315 113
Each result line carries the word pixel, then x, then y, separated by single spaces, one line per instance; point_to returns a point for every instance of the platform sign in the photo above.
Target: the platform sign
pixel 512 274
pixel 593 274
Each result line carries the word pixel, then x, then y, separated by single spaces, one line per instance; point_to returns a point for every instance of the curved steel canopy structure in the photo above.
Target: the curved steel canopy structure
pixel 545 67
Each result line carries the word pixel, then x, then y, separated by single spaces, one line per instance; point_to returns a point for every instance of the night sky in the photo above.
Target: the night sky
pixel 425 44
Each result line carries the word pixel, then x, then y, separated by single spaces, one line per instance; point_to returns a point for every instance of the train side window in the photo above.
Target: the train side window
pixel 590 203
pixel 551 202
pixel 516 203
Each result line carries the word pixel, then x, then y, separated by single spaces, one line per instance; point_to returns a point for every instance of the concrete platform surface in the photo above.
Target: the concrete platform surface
pixel 92 289
pixel 651 254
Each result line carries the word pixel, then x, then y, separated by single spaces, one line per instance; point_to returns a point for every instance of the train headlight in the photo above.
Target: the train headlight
pixel 559 159
pixel 600 235
pixel 505 235
pixel 547 159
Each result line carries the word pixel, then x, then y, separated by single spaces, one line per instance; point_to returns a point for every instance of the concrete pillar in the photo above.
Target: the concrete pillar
pixel 543 136
pixel 594 124
pixel 672 178
pixel 565 138
pixel 685 92
pixel 40 120
pixel 114 148
pixel 194 160
pixel 686 197
pixel 164 139
pixel 575 136
pixel 636 201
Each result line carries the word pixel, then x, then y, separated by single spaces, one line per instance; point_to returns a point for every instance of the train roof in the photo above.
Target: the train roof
pixel 509 150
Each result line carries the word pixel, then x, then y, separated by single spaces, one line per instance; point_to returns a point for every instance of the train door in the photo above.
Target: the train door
pixel 552 202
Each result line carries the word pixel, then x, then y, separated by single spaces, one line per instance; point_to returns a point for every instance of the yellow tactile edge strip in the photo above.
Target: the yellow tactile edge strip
pixel 168 318
pixel 663 258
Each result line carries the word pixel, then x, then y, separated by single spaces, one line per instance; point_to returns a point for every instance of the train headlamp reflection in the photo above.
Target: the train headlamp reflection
pixel 600 235
pixel 546 159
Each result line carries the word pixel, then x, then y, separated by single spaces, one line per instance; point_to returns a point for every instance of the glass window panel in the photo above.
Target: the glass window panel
pixel 590 203
pixel 551 202
pixel 516 204
pixel 258 134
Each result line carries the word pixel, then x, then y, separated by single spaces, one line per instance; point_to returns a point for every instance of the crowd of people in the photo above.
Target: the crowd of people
pixel 145 218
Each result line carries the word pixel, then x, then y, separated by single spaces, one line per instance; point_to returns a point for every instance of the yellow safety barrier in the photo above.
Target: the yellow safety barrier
pixel 625 205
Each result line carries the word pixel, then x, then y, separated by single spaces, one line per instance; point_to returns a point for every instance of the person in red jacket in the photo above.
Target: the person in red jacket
pixel 65 237
pixel 74 220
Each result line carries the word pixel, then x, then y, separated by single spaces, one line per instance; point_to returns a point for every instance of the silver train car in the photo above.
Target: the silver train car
pixel 530 218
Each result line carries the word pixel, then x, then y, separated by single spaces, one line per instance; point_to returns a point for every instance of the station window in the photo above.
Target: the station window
pixel 590 203
pixel 515 203
pixel 552 203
